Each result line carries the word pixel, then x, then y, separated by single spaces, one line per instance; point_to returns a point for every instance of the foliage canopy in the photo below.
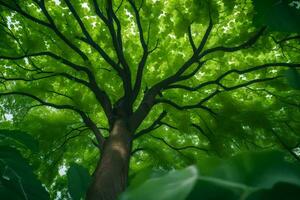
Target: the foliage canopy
pixel 194 78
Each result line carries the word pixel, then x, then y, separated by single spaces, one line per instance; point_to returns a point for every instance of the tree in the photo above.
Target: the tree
pixel 123 69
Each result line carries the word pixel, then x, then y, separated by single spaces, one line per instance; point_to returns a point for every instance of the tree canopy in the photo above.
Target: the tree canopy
pixel 192 79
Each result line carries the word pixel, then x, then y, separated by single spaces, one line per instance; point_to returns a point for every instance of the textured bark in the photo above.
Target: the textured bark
pixel 111 173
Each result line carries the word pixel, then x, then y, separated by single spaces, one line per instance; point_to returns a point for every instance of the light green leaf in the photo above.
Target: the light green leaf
pixel 174 185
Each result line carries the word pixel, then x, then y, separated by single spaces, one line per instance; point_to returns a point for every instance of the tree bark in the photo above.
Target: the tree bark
pixel 111 173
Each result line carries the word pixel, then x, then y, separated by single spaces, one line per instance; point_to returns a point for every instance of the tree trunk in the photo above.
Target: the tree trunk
pixel 111 173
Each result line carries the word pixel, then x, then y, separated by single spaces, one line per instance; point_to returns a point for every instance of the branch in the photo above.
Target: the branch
pixel 286 39
pixel 118 45
pixel 149 98
pixel 56 106
pixel 85 118
pixel 99 12
pixel 67 139
pixel 285 146
pixel 191 40
pixel 195 58
pixel 201 131
pixel 213 94
pixel 50 24
pixel 244 45
pixel 20 11
pixel 156 124
pixel 25 79
pixel 100 94
pixel 280 98
pixel 206 35
pixel 52 55
pixel 232 71
pixel 180 148
pixel 89 40
pixel 41 4
pixel 186 107
pixel 137 150
pixel 100 139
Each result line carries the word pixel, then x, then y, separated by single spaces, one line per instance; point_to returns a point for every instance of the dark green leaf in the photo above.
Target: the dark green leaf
pixel 78 181
pixel 293 78
pixel 21 137
pixel 17 177
pixel 278 15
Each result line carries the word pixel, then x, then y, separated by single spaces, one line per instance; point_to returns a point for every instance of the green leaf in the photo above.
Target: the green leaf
pixel 174 185
pixel 293 78
pixel 243 175
pixel 78 181
pixel 21 137
pixel 17 178
pixel 278 15
pixel 269 168
pixel 278 192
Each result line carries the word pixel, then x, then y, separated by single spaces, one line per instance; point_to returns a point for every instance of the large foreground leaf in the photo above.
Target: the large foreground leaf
pixel 17 180
pixel 250 176
pixel 247 176
pixel 278 15
pixel 174 185
pixel 20 137
pixel 78 181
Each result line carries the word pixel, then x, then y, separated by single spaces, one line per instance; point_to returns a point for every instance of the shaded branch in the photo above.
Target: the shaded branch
pixel 156 124
pixel 285 146
pixel 278 97
pixel 200 129
pixel 186 107
pixel 179 148
pixel 286 39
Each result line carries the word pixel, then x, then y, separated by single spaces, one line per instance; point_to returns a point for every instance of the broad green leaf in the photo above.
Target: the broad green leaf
pixel 17 178
pixel 278 192
pixel 21 137
pixel 174 185
pixel 278 15
pixel 293 78
pixel 78 181
pixel 246 175
pixel 269 168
